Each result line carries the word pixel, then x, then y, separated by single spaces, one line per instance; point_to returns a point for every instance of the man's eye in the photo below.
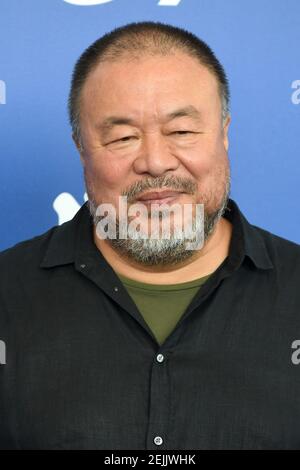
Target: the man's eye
pixel 124 139
pixel 182 132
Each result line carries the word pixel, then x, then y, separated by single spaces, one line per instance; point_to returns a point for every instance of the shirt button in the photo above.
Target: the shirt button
pixel 160 358
pixel 83 266
pixel 158 440
pixel 116 289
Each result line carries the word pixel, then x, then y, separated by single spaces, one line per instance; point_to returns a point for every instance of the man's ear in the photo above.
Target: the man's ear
pixel 79 147
pixel 225 132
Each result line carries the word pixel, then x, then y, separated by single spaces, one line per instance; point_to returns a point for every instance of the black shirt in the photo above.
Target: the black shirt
pixel 84 371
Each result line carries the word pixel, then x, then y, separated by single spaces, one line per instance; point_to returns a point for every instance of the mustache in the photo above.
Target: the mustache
pixel 161 182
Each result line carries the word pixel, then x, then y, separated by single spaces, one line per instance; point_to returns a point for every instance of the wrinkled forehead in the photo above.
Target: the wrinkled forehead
pixel 151 84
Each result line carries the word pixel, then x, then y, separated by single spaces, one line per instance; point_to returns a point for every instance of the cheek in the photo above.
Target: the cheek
pixel 202 160
pixel 106 172
pixel 198 162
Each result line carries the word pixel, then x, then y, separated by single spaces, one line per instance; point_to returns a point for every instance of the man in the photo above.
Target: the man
pixel 138 342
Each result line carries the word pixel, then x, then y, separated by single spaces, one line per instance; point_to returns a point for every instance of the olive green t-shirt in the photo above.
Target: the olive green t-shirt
pixel 162 305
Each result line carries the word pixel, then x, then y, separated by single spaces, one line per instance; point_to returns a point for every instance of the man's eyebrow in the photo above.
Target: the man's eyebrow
pixel 189 111
pixel 111 121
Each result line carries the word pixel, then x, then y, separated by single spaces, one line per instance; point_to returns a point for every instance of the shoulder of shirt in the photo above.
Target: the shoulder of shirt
pixel 284 253
pixel 27 255
pixel 277 240
pixel 26 251
pixel 20 263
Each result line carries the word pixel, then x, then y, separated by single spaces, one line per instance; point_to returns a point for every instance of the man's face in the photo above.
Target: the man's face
pixel 155 123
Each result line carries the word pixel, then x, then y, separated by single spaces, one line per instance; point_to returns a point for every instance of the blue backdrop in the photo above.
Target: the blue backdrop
pixel 257 41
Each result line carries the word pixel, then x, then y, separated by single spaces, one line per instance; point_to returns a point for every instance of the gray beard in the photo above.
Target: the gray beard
pixel 163 251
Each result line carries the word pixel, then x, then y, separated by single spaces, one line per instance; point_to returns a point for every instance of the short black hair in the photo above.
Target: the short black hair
pixel 136 39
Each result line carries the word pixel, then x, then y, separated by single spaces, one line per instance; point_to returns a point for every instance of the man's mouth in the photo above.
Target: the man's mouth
pixel 159 197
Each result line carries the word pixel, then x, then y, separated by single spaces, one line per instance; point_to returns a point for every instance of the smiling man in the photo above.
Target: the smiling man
pixel 138 342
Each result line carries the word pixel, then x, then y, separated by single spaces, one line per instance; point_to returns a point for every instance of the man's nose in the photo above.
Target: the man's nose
pixel 155 156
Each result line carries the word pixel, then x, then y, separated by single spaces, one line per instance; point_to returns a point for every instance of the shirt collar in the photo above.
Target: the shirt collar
pixel 247 239
pixel 73 240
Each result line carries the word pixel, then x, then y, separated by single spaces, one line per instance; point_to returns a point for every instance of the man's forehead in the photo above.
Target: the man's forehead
pixel 157 97
pixel 184 111
pixel 178 68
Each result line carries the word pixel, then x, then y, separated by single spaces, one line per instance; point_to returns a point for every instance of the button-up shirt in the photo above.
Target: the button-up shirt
pixel 83 370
